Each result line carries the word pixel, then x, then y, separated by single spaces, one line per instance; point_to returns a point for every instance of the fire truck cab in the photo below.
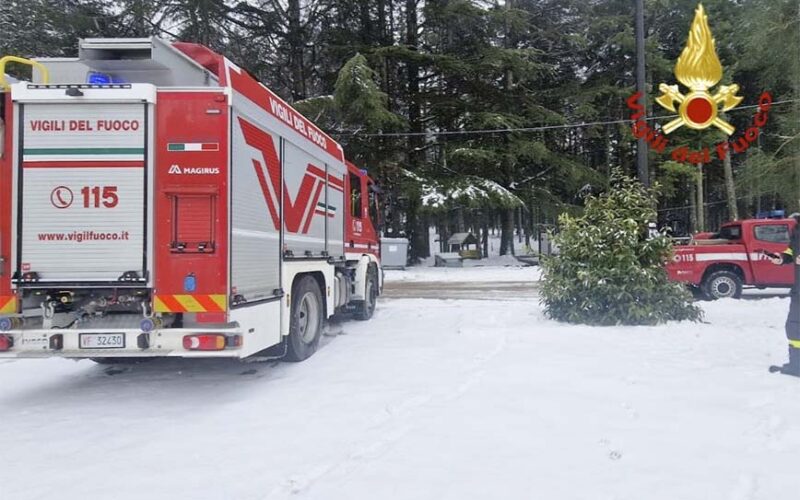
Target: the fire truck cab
pixel 157 200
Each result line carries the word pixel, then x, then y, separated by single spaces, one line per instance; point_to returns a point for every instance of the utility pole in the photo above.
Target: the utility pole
pixel 641 147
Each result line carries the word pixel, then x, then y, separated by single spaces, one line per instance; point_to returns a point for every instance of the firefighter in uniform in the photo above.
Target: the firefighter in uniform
pixel 792 256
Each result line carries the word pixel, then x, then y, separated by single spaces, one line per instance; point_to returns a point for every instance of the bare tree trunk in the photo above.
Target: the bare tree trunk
pixel 424 247
pixel 443 236
pixel 416 230
pixel 528 228
pixel 507 215
pixel 701 219
pixel 139 18
pixel 730 190
pixel 414 156
pixel 413 79
pixel 692 209
pixel 461 227
pixel 485 235
pixel 296 45
pixel 366 22
pixel 507 232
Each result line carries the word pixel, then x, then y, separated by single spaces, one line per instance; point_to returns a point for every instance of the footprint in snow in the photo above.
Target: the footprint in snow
pixel 612 454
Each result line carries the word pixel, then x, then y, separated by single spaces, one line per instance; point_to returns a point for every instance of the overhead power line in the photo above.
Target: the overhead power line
pixel 534 129
pixel 708 204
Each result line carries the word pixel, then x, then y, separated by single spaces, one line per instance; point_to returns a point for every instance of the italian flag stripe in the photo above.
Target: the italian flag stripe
pixel 193 146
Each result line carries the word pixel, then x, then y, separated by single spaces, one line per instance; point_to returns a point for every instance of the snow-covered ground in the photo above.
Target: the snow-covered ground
pixel 432 399
pixel 495 269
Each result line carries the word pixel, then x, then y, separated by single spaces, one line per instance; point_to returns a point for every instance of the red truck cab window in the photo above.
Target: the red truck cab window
pixel 355 196
pixel 774 234
pixel 731 233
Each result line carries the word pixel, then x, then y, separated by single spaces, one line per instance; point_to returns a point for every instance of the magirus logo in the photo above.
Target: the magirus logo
pixel 699 69
pixel 177 169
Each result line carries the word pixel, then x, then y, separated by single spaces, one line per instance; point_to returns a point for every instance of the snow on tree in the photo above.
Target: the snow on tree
pixel 466 191
pixel 358 98
pixel 608 270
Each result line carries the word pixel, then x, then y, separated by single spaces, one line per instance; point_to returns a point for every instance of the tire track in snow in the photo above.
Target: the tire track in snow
pixel 746 488
pixel 386 431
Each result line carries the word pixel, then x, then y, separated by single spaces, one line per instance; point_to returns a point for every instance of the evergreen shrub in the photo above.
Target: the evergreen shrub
pixel 608 271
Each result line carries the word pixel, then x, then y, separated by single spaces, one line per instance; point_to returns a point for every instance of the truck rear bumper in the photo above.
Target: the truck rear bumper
pixel 168 342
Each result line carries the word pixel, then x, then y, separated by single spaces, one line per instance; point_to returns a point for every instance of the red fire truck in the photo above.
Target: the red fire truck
pixel 719 264
pixel 157 200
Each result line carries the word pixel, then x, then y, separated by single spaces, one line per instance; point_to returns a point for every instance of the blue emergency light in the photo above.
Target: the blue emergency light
pixel 98 78
pixel 771 214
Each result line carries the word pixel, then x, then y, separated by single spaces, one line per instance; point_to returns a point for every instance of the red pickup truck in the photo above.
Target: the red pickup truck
pixel 718 265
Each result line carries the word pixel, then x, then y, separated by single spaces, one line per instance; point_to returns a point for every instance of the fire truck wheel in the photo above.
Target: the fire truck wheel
pixel 722 285
pixel 697 292
pixel 306 321
pixel 366 307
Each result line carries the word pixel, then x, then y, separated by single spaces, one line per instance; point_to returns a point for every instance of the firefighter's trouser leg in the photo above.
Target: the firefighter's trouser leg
pixel 793 336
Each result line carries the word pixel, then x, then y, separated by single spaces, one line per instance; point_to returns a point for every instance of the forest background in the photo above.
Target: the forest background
pixel 484 115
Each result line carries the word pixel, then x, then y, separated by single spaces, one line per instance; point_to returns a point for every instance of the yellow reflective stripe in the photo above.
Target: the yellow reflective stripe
pixel 794 343
pixel 189 302
pixel 160 306
pixel 9 307
pixel 221 301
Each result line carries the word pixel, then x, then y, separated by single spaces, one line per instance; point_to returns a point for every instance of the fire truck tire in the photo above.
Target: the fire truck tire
pixel 366 308
pixel 697 292
pixel 722 285
pixel 307 318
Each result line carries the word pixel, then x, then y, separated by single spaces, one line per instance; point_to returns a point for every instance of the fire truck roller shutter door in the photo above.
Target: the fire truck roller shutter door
pixel 335 210
pixel 83 193
pixel 255 211
pixel 304 202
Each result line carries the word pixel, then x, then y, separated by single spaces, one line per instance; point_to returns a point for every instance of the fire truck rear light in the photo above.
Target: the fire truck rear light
pixel 57 341
pixel 6 342
pixel 147 325
pixel 204 342
pixel 234 341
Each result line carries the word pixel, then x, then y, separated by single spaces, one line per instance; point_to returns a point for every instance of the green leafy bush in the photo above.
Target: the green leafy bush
pixel 608 271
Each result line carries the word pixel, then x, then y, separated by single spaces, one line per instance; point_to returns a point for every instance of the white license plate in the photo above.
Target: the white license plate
pixel 102 340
